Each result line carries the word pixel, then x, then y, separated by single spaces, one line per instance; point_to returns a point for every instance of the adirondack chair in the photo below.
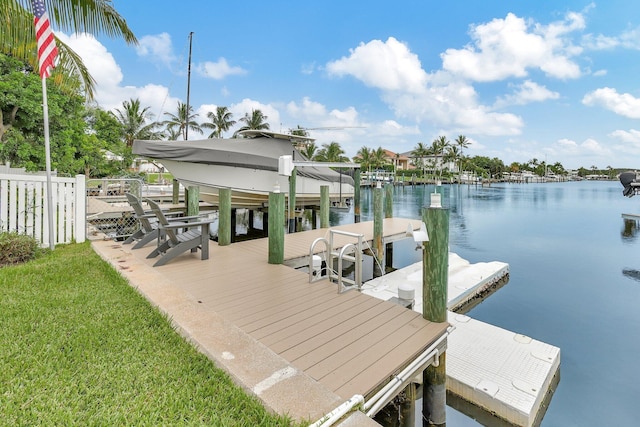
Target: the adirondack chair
pixel 191 234
pixel 148 231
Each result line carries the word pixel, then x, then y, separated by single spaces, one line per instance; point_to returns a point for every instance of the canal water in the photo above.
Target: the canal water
pixel 574 282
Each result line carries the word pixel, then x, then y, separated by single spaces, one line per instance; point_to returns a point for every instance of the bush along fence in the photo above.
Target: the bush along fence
pixel 23 207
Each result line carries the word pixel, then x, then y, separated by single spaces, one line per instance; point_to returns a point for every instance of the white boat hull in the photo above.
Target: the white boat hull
pixel 251 187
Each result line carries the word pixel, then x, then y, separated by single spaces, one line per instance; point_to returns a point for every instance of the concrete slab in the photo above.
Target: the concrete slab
pixel 281 387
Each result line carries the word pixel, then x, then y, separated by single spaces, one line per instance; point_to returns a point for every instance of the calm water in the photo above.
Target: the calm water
pixel 574 283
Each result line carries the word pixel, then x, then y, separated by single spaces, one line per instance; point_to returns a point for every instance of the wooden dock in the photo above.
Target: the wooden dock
pixel 351 343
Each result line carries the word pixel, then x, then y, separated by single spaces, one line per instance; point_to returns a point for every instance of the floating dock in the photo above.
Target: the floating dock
pixel 507 374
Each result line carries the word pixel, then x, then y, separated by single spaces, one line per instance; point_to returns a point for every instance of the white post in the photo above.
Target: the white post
pixel 47 150
pixel 80 220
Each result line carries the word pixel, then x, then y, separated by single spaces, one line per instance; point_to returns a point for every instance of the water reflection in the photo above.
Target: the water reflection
pixel 629 231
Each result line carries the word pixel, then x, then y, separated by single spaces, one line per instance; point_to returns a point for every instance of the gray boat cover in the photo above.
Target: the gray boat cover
pixel 253 153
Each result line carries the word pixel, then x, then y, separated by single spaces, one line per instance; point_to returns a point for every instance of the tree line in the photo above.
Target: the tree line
pixel 81 133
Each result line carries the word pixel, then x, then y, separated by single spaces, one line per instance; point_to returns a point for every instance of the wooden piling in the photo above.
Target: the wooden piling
pixel 175 196
pixel 224 217
pixel 378 266
pixel 435 262
pixel 324 206
pixel 292 201
pixel 356 195
pixel 407 407
pixel 276 228
pixel 388 200
pixel 193 200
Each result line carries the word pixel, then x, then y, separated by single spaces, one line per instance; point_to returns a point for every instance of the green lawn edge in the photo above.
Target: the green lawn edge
pixel 79 346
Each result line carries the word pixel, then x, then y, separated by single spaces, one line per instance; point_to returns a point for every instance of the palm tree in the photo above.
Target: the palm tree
pixel 462 142
pixel 299 131
pixel 363 156
pixel 182 120
pixel 309 151
pixel 419 153
pixel 331 153
pixel 18 39
pixel 379 158
pixel 452 154
pixel 254 121
pixel 438 147
pixel 220 122
pixel 135 121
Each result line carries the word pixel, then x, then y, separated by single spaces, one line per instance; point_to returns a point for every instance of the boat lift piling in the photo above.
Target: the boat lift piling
pixel 378 267
pixel 192 200
pixel 292 200
pixel 224 217
pixel 324 206
pixel 435 277
pixel 388 213
pixel 276 229
pixel 356 195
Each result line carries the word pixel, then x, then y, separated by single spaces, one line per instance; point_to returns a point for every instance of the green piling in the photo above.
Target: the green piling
pixel 435 264
pixel 175 196
pixel 276 228
pixel 193 201
pixel 356 195
pixel 378 267
pixel 388 200
pixel 224 217
pixel 292 201
pixel 324 206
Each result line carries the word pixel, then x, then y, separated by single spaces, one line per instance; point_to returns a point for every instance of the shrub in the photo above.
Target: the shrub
pixel 17 248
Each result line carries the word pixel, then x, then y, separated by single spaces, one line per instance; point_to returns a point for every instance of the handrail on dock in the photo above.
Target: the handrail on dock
pixel 311 254
pixel 331 254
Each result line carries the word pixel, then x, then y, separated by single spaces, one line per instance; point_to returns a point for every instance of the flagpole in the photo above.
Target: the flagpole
pixel 47 151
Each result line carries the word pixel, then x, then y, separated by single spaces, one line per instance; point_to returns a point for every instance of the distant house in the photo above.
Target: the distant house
pixel 111 156
pixel 430 163
pixel 399 161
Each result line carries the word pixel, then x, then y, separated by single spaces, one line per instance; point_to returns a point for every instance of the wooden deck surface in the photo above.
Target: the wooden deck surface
pixel 351 342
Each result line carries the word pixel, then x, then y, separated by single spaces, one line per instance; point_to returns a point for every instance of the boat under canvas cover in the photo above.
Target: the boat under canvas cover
pixel 249 166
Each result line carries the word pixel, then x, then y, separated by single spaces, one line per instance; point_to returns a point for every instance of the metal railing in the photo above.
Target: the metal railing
pixel 349 252
pixel 107 208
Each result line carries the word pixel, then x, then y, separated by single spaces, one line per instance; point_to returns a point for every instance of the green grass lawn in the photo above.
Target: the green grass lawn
pixel 79 346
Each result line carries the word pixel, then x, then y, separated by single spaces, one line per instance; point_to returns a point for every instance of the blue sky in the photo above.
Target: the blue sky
pixel 554 81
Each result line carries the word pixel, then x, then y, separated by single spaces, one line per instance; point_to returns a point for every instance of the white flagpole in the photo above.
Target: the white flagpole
pixel 47 151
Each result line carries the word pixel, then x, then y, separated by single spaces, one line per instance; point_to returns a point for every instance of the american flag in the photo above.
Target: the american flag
pixel 47 49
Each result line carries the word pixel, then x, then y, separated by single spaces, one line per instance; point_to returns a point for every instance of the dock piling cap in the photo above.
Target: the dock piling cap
pixel 406 291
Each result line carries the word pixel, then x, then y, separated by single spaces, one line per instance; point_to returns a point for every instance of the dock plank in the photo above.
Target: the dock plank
pixel 339 339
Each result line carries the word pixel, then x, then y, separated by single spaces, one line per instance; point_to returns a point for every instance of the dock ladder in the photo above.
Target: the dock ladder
pixel 349 252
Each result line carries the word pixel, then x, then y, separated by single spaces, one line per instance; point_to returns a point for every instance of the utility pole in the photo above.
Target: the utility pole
pixel 186 129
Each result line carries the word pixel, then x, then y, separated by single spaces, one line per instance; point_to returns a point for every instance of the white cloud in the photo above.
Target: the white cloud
pixel 110 94
pixel 526 93
pixel 588 148
pixel 508 47
pixel 623 104
pixel 629 39
pixel 100 63
pixel 308 68
pixel 158 47
pixel 389 66
pixel 247 105
pixel 413 94
pixel 627 136
pixel 454 106
pixel 219 70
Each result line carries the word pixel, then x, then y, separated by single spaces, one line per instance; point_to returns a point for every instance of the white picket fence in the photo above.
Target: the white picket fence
pixel 23 207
